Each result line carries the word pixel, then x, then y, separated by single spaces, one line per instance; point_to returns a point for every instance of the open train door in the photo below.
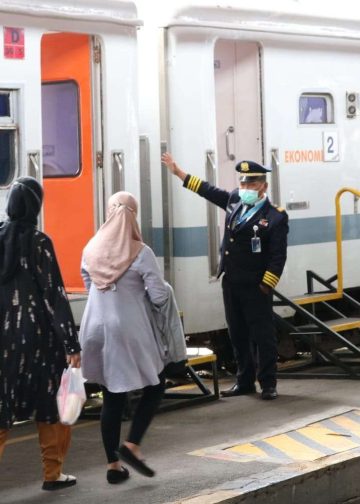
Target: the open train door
pixel 68 171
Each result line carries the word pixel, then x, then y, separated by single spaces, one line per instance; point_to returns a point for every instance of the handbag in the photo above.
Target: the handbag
pixel 71 395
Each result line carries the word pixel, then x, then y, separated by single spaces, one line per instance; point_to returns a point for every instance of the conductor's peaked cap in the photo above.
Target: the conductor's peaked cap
pixel 249 170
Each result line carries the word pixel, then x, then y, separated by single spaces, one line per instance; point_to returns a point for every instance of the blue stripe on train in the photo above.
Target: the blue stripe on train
pixel 193 241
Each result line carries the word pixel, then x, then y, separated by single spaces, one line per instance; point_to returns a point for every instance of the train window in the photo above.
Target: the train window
pixel 60 129
pixel 4 104
pixel 315 109
pixel 8 136
pixel 7 156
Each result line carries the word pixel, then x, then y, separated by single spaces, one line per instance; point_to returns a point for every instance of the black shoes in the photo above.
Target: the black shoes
pixel 237 390
pixel 64 481
pixel 139 465
pixel 114 476
pixel 269 393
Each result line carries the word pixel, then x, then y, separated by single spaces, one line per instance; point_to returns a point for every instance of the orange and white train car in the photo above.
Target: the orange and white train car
pixel 68 113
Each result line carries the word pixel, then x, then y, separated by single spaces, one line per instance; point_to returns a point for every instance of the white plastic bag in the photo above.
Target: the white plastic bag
pixel 71 395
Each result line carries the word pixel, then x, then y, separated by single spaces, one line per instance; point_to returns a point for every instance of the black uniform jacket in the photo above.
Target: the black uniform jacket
pixel 239 263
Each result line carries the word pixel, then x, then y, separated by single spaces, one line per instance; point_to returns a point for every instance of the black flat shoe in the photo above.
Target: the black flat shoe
pixel 115 476
pixel 269 393
pixel 139 465
pixel 64 482
pixel 237 390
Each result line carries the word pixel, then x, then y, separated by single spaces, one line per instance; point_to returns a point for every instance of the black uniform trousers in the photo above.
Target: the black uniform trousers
pixel 249 318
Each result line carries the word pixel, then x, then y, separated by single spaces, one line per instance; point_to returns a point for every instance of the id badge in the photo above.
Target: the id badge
pixel 255 245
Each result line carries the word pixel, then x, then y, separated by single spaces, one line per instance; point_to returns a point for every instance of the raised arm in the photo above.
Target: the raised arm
pixel 213 194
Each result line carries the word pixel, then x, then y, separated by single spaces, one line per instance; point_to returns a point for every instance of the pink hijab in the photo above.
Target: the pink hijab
pixel 116 244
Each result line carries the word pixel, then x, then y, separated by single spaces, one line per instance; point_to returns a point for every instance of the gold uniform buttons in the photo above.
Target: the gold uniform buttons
pixel 226 252
pixel 231 239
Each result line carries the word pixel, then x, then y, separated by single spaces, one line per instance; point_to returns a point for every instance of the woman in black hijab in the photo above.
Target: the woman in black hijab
pixel 37 333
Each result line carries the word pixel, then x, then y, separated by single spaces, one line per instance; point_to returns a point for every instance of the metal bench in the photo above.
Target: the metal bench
pixel 182 395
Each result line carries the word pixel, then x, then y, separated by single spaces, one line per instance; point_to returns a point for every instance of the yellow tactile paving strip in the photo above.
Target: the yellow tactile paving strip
pixel 327 437
pixel 292 448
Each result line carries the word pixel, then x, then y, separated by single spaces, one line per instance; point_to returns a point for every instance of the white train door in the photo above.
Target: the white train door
pixel 214 120
pixel 238 109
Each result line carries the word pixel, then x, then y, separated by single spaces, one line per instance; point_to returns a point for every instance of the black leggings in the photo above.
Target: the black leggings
pixel 112 412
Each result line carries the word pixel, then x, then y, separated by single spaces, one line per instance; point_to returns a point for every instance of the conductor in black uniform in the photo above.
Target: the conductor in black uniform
pixel 253 255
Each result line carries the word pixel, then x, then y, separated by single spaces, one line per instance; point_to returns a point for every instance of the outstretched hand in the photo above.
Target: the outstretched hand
pixel 168 160
pixel 170 163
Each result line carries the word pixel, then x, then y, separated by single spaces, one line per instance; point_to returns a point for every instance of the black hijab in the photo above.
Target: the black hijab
pixel 23 207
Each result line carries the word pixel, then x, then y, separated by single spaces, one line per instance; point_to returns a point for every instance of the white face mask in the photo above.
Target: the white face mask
pixel 249 196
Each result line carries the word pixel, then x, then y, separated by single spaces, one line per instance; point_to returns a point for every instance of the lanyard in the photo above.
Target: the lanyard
pixel 247 215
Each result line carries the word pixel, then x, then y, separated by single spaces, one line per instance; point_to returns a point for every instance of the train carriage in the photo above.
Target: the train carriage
pixel 91 94
pixel 66 117
pixel 274 83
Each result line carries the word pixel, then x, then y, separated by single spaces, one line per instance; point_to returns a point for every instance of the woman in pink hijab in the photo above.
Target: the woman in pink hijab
pixel 120 352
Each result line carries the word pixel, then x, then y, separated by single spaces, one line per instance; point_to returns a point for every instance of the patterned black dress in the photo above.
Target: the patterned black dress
pixel 37 328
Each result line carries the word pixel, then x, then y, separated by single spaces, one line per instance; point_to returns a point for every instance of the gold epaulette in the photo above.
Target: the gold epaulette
pixel 193 183
pixel 270 279
pixel 278 208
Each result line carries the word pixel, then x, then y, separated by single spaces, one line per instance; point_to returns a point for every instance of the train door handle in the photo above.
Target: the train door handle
pixel 118 179
pixel 227 146
pixel 34 165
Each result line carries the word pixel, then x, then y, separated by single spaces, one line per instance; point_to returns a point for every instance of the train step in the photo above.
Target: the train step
pixel 315 298
pixel 310 309
pixel 337 325
pixel 343 324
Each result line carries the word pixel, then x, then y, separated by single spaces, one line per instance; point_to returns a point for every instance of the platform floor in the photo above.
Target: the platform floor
pixel 200 447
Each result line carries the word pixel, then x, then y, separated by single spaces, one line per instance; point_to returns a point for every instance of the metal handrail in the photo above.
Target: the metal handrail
pixel 275 177
pixel 311 275
pixel 340 286
pixel 212 216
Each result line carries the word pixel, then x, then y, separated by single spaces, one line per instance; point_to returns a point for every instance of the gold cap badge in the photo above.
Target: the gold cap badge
pixel 244 166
